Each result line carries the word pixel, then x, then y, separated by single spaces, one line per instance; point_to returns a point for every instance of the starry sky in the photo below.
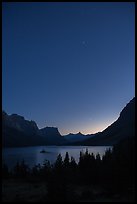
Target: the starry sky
pixel 68 65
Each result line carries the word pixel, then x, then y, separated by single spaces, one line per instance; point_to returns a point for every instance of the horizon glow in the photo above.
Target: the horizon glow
pixel 68 65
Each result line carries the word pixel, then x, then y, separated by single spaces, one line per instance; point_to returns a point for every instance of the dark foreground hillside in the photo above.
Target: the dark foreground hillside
pixel 91 180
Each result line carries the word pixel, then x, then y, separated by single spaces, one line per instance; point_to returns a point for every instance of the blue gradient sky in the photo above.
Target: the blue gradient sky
pixel 69 65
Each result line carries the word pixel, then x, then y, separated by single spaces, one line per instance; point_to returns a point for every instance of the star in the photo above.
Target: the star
pixel 84 43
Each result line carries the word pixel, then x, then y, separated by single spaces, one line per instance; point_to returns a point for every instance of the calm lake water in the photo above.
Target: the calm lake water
pixel 32 155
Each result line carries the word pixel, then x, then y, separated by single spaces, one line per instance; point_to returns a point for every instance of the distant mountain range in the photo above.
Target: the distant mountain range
pixel 78 137
pixel 17 132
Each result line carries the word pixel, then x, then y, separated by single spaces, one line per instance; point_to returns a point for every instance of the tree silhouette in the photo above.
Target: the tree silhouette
pixel 66 160
pixel 73 163
pixel 114 173
pixel 21 170
pixel 59 163
pixel 5 171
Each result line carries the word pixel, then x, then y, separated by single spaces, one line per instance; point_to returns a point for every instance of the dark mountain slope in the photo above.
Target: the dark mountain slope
pixel 122 128
pixel 52 134
pixel 16 132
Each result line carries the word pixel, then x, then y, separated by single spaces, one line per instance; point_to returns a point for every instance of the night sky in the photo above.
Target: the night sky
pixel 68 65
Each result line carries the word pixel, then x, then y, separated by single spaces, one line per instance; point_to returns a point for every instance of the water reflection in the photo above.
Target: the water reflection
pixel 32 155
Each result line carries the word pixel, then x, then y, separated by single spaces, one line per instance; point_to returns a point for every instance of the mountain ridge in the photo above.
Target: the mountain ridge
pixel 16 131
pixel 123 127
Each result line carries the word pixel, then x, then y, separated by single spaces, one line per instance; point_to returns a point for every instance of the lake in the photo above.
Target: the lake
pixel 32 155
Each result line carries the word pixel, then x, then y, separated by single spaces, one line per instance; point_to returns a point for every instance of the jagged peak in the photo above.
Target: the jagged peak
pixel 79 133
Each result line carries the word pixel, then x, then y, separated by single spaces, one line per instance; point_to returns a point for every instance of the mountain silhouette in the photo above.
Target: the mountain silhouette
pixel 16 132
pixel 52 135
pixel 122 128
pixel 78 137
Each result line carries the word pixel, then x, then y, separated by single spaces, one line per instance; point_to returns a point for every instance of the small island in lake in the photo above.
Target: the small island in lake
pixel 44 151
